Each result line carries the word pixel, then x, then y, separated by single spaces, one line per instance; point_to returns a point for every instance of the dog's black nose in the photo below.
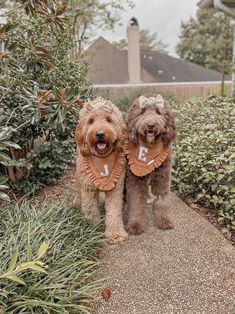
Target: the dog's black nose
pixel 100 134
pixel 150 126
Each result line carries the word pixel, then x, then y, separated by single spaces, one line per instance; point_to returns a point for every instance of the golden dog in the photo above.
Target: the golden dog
pixel 100 165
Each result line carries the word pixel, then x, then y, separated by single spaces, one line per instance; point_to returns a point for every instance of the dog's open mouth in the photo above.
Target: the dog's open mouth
pixel 151 133
pixel 101 146
pixel 151 136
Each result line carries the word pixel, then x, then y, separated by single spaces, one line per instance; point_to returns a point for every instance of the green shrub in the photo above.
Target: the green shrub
pixel 40 89
pixel 67 285
pixel 204 163
pixel 5 160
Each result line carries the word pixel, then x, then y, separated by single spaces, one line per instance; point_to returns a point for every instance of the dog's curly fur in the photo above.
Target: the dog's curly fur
pixel 94 114
pixel 158 182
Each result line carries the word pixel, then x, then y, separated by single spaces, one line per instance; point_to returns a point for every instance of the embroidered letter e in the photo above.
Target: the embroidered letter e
pixel 105 173
pixel 142 152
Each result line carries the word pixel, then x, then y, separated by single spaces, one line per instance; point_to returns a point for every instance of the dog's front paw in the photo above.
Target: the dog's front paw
pixel 165 223
pixel 116 237
pixel 135 228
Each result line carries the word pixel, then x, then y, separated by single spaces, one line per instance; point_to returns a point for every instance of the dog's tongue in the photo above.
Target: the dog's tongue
pixel 101 145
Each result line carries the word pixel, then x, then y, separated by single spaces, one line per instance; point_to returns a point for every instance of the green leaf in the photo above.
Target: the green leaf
pixel 15 278
pixel 225 230
pixel 29 253
pixel 215 197
pixel 4 157
pixel 11 144
pixel 40 263
pixel 43 248
pixel 3 187
pixel 5 133
pixel 232 201
pixel 4 197
pixel 13 261
pixel 3 179
pixel 37 268
pixel 13 46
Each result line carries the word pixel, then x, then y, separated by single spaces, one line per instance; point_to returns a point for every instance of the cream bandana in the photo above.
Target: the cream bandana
pixel 105 171
pixel 144 158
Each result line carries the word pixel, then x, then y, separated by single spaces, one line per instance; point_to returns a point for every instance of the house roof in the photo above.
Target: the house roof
pixel 108 65
pixel 165 68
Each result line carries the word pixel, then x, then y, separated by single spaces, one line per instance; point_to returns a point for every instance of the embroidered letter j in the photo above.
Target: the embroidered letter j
pixel 105 173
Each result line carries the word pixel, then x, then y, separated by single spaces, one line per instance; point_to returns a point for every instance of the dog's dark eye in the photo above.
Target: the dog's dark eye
pixel 109 120
pixel 90 121
pixel 158 110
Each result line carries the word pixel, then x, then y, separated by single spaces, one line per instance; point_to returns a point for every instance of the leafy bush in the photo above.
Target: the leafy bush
pixel 204 166
pixel 124 102
pixel 40 91
pixel 5 160
pixel 67 285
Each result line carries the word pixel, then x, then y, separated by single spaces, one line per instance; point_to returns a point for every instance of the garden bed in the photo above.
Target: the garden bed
pixel 68 286
pixel 204 157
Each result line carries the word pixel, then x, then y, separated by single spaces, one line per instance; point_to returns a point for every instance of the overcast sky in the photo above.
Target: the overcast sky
pixel 163 16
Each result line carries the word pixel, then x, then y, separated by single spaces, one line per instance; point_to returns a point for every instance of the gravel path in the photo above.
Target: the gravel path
pixel 190 269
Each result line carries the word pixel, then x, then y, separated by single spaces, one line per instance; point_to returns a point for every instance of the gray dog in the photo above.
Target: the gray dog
pixel 151 128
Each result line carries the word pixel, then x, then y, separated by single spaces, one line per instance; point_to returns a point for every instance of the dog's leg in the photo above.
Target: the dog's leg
pixel 114 227
pixel 136 213
pixel 136 198
pixel 162 212
pixel 90 203
pixel 151 197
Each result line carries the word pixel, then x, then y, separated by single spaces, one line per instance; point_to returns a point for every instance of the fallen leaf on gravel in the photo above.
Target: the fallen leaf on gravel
pixel 217 166
pixel 194 206
pixel 106 294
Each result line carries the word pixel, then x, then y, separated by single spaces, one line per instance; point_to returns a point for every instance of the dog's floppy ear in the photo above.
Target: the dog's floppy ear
pixel 123 137
pixel 80 140
pixel 170 129
pixel 132 114
pixel 132 132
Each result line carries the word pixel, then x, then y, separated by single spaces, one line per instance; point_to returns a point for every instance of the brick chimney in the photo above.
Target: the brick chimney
pixel 133 51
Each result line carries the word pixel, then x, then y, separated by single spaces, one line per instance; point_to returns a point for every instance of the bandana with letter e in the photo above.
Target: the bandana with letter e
pixel 144 158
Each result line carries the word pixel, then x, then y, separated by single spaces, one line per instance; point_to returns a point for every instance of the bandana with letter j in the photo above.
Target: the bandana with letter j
pixel 105 171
